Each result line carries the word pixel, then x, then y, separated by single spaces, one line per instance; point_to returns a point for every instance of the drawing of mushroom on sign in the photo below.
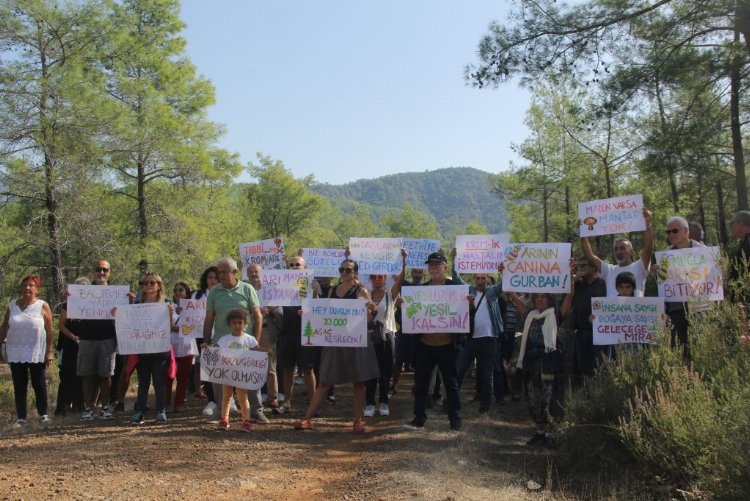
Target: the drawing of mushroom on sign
pixel 611 215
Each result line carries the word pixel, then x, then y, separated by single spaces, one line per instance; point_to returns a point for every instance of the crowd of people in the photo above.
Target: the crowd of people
pixel 94 379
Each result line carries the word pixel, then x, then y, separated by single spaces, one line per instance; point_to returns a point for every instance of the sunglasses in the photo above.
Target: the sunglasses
pixel 673 231
pixel 150 282
pixel 101 270
pixel 295 264
pixel 346 270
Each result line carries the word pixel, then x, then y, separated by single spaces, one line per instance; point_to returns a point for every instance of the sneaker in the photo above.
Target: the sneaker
pixel 105 413
pixel 233 406
pixel 137 418
pixel 88 414
pixel 45 420
pixel 456 425
pixel 223 424
pixel 20 423
pixel 384 410
pixel 299 380
pixel 260 418
pixel 369 411
pixel 161 417
pixel 414 424
pixel 209 409
pixel 281 397
pixel 331 398
pixel 281 409
pixel 392 391
pixel 246 426
pixel 120 407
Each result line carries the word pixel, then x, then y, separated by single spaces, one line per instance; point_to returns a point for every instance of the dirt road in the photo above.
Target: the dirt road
pixel 188 458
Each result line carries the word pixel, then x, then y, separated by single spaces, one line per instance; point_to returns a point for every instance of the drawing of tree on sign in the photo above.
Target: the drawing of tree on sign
pixel 308 333
pixel 413 307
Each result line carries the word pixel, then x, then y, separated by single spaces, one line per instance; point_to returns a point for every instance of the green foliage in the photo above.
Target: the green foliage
pixel 686 422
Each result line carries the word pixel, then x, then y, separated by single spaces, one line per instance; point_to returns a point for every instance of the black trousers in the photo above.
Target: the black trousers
pixel 384 353
pixel 425 359
pixel 20 373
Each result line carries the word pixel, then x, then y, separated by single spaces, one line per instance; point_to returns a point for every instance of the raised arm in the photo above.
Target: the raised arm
pixel 400 278
pixel 455 275
pixel 648 244
pixel 590 256
pixel 521 307
pixel 568 301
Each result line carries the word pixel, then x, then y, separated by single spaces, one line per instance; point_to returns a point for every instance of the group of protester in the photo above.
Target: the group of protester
pixel 94 379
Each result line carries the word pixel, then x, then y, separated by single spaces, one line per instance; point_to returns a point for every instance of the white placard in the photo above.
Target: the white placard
pixel 192 316
pixel 691 274
pixel 626 319
pixel 334 322
pixel 435 308
pixel 142 328
pixel 285 287
pixel 538 267
pixel 417 251
pixel 479 253
pixel 237 368
pixel 611 215
pixel 376 255
pixel 268 253
pixel 95 302
pixel 325 262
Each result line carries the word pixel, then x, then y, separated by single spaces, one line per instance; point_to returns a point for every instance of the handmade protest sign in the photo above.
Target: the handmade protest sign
pixel 435 308
pixel 325 262
pixel 611 215
pixel 479 253
pixel 268 253
pixel 376 255
pixel 95 302
pixel 538 267
pixel 418 249
pixel 192 316
pixel 285 287
pixel 142 328
pixel 334 322
pixel 238 368
pixel 691 274
pixel 626 319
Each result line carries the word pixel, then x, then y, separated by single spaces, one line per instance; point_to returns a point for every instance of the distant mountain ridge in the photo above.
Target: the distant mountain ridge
pixel 454 196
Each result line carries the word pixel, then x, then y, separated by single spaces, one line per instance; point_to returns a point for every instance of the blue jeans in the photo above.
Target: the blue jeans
pixel 152 366
pixel 20 374
pixel 483 349
pixel 425 359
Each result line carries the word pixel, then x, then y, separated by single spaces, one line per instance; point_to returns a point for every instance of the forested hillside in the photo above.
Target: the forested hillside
pixel 454 196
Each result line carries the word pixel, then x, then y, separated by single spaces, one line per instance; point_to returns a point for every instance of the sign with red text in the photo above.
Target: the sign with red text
pixel 381 256
pixel 268 253
pixel 435 309
pixel 334 322
pixel 143 328
pixel 691 274
pixel 237 368
pixel 192 316
pixel 95 302
pixel 285 287
pixel 611 215
pixel 479 253
pixel 325 262
pixel 538 267
pixel 626 319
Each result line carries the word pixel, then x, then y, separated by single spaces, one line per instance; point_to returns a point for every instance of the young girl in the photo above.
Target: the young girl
pixel 237 318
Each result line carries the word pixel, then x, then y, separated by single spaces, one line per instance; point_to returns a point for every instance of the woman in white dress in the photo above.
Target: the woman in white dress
pixel 27 334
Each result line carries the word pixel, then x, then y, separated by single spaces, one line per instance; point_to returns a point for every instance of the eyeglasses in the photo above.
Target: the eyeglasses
pixel 101 270
pixel 673 231
pixel 346 270
pixel 295 264
pixel 180 289
pixel 150 282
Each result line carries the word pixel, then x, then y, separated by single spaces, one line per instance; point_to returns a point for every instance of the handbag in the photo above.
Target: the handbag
pixel 553 363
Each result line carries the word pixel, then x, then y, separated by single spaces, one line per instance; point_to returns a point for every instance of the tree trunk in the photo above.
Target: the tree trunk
pixel 734 111
pixel 721 215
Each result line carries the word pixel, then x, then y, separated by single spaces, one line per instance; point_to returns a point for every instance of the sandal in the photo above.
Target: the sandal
pixel 304 424
pixel 358 427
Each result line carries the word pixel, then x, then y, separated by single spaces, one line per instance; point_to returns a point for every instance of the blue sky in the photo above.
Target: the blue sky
pixel 354 89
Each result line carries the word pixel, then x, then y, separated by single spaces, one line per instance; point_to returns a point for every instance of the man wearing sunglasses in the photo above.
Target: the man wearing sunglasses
pixel 624 259
pixel 96 353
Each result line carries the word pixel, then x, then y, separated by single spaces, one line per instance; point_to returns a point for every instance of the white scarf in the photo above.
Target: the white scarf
pixel 549 331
